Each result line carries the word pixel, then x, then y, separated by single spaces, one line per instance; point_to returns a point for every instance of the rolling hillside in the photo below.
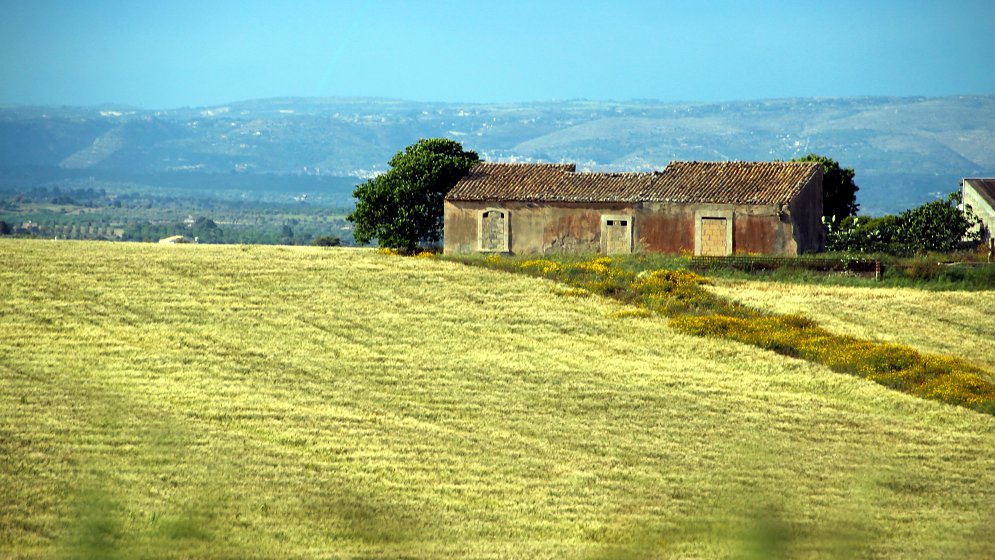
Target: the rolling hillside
pixel 905 150
pixel 275 402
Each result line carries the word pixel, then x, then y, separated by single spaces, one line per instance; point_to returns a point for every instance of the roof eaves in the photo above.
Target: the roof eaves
pixel 984 187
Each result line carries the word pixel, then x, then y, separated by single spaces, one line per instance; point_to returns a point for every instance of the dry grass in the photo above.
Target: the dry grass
pixel 196 401
pixel 682 296
pixel 958 324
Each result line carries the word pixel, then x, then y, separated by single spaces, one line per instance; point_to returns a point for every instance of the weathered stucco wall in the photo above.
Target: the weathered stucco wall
pixel 981 209
pixel 664 228
pixel 672 228
pixel 658 227
pixel 806 218
pixel 459 230
pixel 533 228
pixel 761 234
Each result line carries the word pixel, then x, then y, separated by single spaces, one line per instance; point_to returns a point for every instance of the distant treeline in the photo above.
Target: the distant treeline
pixel 96 197
pixel 96 213
pixel 326 189
pixel 205 230
pixel 202 230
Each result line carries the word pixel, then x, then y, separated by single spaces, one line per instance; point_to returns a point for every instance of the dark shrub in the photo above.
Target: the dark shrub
pixel 327 241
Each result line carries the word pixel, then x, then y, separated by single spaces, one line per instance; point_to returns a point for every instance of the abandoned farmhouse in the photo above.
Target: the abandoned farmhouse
pixel 700 208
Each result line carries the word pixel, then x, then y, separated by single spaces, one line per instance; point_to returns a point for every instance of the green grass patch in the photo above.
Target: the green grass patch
pixel 680 295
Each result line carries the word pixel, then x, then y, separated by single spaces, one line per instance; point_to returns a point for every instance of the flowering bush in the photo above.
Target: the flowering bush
pixel 677 284
pixel 599 265
pixel 541 266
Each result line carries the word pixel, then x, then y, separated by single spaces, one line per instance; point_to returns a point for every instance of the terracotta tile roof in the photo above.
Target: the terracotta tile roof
pixel 603 187
pixel 734 182
pixel 509 181
pixel 985 188
pixel 681 181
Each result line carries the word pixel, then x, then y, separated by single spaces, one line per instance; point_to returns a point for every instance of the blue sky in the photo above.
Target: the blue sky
pixel 167 54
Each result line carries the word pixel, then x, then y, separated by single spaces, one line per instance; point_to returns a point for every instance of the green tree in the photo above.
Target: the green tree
pixel 863 234
pixel 206 230
pixel 938 226
pixel 935 226
pixel 839 192
pixel 404 206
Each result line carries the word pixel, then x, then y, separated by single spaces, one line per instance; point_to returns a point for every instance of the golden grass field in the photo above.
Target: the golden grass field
pixel 958 324
pixel 292 402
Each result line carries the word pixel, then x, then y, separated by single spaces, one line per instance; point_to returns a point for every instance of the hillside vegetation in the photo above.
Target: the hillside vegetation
pixel 220 401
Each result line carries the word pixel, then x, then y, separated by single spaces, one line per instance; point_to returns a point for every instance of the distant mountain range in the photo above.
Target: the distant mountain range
pixel 905 150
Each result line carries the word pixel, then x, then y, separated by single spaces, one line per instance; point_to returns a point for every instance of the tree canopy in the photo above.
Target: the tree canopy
pixel 839 192
pixel 404 206
pixel 939 226
pixel 935 226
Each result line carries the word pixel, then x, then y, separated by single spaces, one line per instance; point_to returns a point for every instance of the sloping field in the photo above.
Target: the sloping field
pixel 232 402
pixel 958 324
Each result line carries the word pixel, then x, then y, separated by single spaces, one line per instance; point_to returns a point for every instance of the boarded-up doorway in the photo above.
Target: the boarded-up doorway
pixel 713 237
pixel 493 230
pixel 616 235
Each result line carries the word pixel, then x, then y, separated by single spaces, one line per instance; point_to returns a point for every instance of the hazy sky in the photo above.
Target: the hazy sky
pixel 171 53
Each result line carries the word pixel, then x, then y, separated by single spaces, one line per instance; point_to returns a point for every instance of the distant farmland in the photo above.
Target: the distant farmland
pixel 247 401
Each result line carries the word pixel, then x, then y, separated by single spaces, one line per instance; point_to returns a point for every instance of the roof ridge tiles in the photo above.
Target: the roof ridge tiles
pixel 735 182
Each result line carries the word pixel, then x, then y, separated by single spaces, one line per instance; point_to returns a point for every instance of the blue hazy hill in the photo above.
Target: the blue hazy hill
pixel 905 150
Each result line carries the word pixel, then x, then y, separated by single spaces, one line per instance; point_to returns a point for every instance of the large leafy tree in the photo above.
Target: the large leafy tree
pixel 935 226
pixel 404 206
pixel 839 192
pixel 938 226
